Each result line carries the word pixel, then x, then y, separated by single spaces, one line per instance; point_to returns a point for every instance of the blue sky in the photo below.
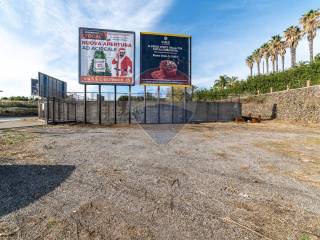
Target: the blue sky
pixel 40 35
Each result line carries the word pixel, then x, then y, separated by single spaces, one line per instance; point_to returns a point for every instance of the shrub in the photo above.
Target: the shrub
pixel 295 77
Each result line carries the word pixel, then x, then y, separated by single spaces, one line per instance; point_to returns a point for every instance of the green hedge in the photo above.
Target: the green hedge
pixel 296 77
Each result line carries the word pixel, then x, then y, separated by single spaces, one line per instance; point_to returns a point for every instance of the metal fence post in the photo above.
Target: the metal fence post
pixel 158 103
pixel 53 110
pixel 99 101
pixel 218 109
pixel 172 105
pixel 145 105
pixel 75 111
pixel 85 103
pixel 63 115
pixel 48 110
pixel 129 103
pixel 67 111
pixel 59 114
pixel 115 104
pixel 185 105
pixel 207 105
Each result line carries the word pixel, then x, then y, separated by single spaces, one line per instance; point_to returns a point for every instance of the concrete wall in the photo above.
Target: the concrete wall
pixel 301 105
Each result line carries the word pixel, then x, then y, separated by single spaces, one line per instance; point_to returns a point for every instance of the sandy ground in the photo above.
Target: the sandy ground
pixel 201 181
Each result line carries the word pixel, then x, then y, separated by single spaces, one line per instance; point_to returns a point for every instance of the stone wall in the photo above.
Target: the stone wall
pixel 301 105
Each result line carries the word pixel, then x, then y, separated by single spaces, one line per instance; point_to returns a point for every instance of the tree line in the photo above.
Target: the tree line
pixel 277 46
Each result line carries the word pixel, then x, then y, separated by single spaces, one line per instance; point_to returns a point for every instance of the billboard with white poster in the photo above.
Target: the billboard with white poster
pixel 106 56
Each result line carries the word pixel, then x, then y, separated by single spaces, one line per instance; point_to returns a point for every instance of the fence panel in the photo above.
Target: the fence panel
pixel 165 110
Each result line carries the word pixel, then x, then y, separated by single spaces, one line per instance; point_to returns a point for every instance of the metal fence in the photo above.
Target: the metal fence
pixel 147 107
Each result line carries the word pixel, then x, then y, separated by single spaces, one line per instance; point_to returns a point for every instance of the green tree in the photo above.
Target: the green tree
pixel 282 52
pixel 310 23
pixel 257 55
pixel 293 36
pixel 249 62
pixel 265 49
pixel 222 82
pixel 274 49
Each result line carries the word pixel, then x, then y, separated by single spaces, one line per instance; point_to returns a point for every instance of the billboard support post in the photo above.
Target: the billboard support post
pixel 158 103
pixel 145 105
pixel 99 99
pixel 85 103
pixel 115 104
pixel 129 103
pixel 185 105
pixel 172 105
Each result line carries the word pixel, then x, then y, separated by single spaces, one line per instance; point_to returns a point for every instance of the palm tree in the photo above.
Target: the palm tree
pixel 274 49
pixel 293 36
pixel 282 52
pixel 310 23
pixel 257 58
pixel 265 49
pixel 249 62
pixel 222 82
pixel 232 81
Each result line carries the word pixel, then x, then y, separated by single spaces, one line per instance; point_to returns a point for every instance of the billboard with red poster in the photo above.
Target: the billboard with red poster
pixel 106 56
pixel 165 59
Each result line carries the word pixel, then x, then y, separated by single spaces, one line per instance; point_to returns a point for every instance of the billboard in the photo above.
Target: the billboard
pixel 106 56
pixel 51 87
pixel 34 87
pixel 165 59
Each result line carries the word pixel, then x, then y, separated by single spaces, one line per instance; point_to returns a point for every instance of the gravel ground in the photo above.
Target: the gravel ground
pixel 201 181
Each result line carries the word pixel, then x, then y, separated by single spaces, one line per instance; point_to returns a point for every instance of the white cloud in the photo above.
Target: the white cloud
pixel 38 35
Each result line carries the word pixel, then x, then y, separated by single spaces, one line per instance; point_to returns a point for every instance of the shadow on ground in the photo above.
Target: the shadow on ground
pixel 21 185
pixel 162 133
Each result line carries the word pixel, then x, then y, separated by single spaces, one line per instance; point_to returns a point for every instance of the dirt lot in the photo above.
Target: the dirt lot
pixel 201 181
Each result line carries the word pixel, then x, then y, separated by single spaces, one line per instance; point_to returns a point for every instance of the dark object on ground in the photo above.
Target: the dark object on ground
pixel 248 119
pixel 195 122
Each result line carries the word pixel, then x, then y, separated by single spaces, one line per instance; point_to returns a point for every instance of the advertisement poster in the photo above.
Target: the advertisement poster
pixel 106 56
pixel 165 59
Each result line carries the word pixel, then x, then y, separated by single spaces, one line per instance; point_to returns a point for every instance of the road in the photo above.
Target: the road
pixel 15 122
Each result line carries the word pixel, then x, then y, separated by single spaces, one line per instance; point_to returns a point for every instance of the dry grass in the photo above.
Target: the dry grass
pixel 18 145
pixel 11 137
pixel 306 151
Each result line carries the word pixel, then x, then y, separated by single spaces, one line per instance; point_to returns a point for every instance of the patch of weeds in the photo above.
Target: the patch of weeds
pixel 255 99
pixel 222 155
pixel 51 223
pixel 313 141
pixel 13 138
pixel 305 237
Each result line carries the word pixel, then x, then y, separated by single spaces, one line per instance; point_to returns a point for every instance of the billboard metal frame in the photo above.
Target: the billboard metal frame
pixel 189 53
pixel 110 30
pixel 49 89
pixel 33 80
